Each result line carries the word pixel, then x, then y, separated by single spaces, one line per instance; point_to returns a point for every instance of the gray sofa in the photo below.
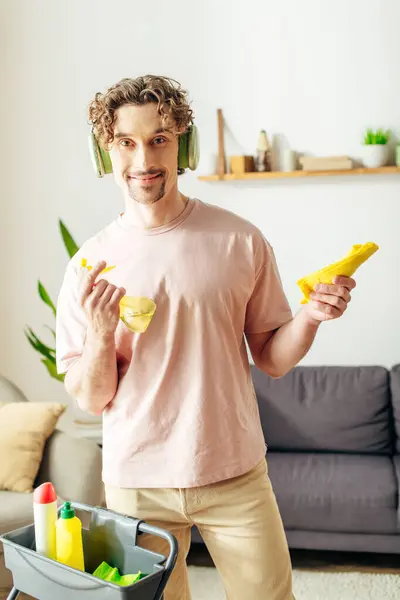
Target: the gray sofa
pixel 333 436
pixel 72 464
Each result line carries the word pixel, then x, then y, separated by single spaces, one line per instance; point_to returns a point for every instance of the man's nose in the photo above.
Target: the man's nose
pixel 142 158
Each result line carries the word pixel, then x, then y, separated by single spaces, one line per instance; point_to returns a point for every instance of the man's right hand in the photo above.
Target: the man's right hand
pixel 100 301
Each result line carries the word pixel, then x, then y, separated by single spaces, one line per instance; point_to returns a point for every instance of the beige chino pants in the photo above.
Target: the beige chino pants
pixel 240 523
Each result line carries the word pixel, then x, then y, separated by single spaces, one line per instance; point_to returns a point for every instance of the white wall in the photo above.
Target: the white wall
pixel 316 71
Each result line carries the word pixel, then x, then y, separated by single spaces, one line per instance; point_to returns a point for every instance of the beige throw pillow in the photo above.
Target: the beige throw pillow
pixel 24 430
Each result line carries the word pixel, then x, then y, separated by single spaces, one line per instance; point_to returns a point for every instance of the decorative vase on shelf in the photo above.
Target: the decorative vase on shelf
pixel 262 159
pixel 289 160
pixel 375 150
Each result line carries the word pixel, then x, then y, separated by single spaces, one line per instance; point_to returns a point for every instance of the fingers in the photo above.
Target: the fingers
pixel 89 280
pixel 99 289
pixel 93 298
pixel 340 291
pixel 111 296
pixel 347 282
pixel 335 301
pixel 117 296
pixel 330 312
pixel 330 301
pixel 101 293
pixel 107 293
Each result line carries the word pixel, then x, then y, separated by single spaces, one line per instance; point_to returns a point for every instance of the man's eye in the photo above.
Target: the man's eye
pixel 159 140
pixel 125 143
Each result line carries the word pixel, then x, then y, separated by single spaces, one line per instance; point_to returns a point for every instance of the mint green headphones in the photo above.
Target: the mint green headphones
pixel 188 152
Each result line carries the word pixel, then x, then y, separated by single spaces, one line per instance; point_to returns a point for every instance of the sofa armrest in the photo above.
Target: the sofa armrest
pixel 73 465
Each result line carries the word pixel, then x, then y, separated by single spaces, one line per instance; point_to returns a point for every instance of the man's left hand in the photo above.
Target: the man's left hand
pixel 329 301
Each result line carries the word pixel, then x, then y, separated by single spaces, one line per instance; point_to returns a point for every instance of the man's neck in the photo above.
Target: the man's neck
pixel 162 212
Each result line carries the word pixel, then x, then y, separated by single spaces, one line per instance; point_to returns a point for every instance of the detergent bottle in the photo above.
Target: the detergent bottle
pixel 45 518
pixel 69 539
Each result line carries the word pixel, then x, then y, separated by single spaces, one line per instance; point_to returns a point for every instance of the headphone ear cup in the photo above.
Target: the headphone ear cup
pixel 100 158
pixel 189 149
pixel 183 151
pixel 193 148
pixel 95 155
pixel 106 160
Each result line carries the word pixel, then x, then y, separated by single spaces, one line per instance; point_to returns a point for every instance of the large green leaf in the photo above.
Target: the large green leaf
pixel 69 242
pixel 39 346
pixel 45 297
pixel 52 369
pixel 47 352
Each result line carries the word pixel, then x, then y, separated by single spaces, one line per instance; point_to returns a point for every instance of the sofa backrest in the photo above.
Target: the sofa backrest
pixel 9 392
pixel 395 389
pixel 338 409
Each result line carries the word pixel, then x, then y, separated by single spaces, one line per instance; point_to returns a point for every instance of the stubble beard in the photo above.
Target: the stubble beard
pixel 147 194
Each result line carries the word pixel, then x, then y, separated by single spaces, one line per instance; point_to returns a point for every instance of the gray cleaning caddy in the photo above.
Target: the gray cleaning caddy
pixel 109 537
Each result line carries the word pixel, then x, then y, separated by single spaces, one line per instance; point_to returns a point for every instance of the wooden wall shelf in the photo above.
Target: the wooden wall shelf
pixel 298 174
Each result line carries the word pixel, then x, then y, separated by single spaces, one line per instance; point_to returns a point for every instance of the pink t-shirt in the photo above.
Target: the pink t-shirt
pixel 185 412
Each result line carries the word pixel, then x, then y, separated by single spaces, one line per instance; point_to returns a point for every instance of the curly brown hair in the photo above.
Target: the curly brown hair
pixel 171 99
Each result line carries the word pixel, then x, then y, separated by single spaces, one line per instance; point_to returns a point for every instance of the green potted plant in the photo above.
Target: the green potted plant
pixel 48 353
pixel 375 148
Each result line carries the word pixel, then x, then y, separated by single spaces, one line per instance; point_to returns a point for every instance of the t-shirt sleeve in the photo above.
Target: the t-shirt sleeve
pixel 268 307
pixel 71 322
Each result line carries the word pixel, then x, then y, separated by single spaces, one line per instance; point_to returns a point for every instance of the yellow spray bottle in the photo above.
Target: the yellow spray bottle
pixel 69 539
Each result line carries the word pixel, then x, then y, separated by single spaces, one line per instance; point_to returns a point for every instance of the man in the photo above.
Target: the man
pixel 182 440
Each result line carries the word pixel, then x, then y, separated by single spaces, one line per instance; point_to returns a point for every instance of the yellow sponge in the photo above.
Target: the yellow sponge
pixel 137 312
pixel 358 254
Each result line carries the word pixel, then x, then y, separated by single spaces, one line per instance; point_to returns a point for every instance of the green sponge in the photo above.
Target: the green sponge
pixel 107 573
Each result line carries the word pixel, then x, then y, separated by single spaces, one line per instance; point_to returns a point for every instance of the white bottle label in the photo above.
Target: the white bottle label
pixel 45 517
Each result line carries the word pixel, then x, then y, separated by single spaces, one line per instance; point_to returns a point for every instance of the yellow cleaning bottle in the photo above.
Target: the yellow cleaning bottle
pixel 69 539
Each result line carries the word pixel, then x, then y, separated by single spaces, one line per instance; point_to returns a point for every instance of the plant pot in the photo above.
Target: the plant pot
pixel 375 155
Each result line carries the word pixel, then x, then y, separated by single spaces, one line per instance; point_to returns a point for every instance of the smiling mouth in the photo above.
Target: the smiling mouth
pixel 146 178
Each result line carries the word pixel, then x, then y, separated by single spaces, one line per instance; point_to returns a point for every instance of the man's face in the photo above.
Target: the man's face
pixel 144 153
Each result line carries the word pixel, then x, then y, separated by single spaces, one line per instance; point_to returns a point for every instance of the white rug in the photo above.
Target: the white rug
pixel 309 585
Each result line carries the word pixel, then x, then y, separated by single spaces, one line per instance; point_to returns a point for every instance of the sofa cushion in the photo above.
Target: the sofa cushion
pixel 24 429
pixel 395 389
pixel 335 492
pixel 339 409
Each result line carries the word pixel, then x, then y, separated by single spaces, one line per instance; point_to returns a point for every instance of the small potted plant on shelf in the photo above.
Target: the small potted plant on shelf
pixel 375 148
